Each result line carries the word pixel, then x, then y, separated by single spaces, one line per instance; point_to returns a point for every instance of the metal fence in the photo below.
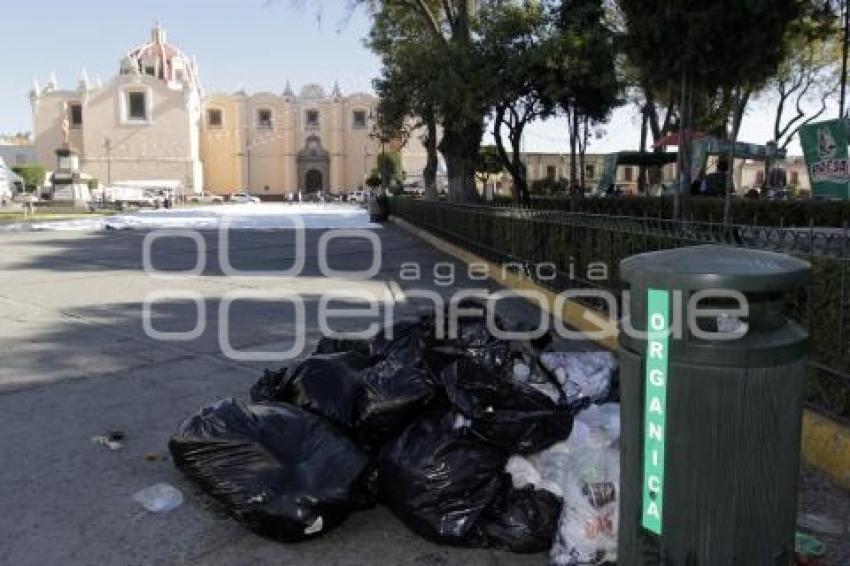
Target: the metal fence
pixel 523 239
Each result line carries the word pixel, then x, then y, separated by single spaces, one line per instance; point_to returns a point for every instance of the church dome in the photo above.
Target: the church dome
pixel 312 91
pixel 158 58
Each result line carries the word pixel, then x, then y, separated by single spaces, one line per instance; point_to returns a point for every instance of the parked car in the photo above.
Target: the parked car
pixel 243 198
pixel 206 198
pixel 357 196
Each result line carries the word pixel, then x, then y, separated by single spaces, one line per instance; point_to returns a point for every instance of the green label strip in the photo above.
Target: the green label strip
pixel 655 408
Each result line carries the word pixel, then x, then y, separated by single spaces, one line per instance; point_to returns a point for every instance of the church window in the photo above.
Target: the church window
pixel 150 70
pixel 358 120
pixel 313 118
pixel 137 106
pixel 264 118
pixel 76 111
pixel 214 118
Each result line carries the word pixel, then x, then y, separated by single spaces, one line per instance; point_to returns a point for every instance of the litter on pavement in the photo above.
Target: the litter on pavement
pixel 159 498
pixel 470 441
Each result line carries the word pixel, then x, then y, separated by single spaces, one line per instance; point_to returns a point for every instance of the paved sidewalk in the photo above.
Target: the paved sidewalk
pixel 77 363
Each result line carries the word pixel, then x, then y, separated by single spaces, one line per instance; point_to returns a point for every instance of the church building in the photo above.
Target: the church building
pixel 153 121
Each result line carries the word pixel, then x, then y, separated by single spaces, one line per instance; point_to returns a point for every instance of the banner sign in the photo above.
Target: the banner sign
pixel 655 408
pixel 825 147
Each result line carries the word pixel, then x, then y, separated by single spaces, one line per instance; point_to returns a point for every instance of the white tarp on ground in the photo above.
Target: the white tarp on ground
pixel 240 216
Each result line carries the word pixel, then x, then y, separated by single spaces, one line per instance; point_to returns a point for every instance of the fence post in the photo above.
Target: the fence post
pixel 843 292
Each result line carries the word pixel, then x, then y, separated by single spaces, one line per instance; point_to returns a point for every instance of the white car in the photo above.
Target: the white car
pixel 243 197
pixel 357 196
pixel 206 198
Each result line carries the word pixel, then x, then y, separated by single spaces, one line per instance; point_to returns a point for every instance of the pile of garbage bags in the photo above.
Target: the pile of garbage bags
pixel 470 441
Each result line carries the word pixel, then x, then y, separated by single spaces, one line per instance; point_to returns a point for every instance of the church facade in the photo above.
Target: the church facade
pixel 153 121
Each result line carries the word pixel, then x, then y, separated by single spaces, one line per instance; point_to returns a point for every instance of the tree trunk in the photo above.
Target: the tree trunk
pixel 572 121
pixel 460 146
pixel 518 168
pixel 582 152
pixel 643 131
pixel 429 175
pixel 737 117
pixel 513 161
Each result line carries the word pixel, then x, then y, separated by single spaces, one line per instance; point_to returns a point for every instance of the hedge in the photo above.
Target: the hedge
pixel 799 213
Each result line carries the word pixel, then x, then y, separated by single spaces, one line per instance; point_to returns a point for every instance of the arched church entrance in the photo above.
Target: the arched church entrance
pixel 314 164
pixel 313 181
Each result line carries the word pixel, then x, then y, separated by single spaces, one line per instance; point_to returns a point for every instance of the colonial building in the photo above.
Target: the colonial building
pixel 141 125
pixel 279 143
pixel 152 121
pixel 17 150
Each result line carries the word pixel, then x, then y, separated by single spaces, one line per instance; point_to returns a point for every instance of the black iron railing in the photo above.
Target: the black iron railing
pixel 581 250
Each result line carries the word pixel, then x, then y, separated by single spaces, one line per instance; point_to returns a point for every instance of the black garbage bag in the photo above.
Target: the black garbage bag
pixel 373 402
pixel 405 342
pixel 520 520
pixel 326 384
pixel 439 479
pixel 511 415
pixel 266 388
pixel 471 339
pixel 283 472
pixel 391 395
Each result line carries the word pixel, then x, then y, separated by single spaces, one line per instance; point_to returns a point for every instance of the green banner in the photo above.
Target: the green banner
pixel 655 408
pixel 825 147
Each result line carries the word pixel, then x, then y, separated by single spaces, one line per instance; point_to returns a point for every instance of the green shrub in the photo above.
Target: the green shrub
pixel 32 174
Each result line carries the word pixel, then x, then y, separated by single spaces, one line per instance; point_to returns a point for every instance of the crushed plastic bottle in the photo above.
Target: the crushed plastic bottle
pixel 159 498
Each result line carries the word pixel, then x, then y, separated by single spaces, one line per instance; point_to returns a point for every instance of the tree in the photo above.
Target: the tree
pixel 516 41
pixel 373 181
pixel 808 76
pixel 490 163
pixel 444 44
pixel 689 39
pixel 589 86
pixel 32 174
pixel 389 169
pixel 406 104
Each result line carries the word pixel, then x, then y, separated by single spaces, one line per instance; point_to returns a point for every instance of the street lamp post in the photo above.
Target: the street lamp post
pixel 107 145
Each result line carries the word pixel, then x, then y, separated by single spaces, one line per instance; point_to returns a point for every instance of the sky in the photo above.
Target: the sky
pixel 253 44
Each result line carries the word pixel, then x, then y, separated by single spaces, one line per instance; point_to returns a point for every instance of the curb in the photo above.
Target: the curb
pixel 825 442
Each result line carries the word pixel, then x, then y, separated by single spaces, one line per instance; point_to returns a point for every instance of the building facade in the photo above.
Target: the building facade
pixel 555 168
pixel 274 144
pixel 141 125
pixel 17 150
pixel 152 121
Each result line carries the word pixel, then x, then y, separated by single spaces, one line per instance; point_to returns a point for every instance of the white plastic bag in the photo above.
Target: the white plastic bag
pixel 589 476
pixel 583 375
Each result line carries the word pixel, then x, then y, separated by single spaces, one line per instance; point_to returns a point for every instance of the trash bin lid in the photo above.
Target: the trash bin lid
pixel 715 267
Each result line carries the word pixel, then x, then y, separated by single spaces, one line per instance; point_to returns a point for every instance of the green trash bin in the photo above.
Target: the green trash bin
pixel 711 413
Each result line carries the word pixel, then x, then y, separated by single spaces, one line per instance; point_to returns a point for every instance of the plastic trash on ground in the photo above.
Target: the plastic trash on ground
pixel 325 384
pixel 511 415
pixel 283 472
pixel 374 402
pixel 587 530
pixel 584 376
pixel 159 498
pixel 439 479
pixel 390 396
pixel 519 520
